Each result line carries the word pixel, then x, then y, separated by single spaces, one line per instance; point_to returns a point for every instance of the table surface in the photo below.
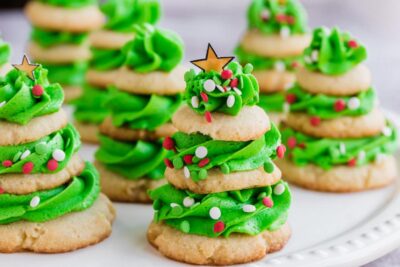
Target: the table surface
pixel 222 22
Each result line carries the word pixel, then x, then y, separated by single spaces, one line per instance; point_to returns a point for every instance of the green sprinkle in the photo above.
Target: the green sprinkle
pixel 262 195
pixel 185 226
pixel 178 163
pixel 195 159
pixel 194 175
pixel 225 168
pixel 203 174
pixel 248 68
pixel 41 148
pixel 226 83
pixel 176 210
pixel 216 80
pixel 269 167
pixel 17 156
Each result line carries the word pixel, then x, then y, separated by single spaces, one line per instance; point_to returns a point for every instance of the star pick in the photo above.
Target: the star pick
pixel 212 61
pixel 27 67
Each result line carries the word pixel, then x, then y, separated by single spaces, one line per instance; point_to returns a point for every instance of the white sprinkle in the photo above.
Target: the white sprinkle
pixel 354 103
pixel 229 88
pixel 361 156
pixel 2 103
pixel 265 14
pixel 195 101
pixel 237 91
pixel 34 201
pixel 249 208
pixel 58 155
pixel 209 85
pixel 230 101
pixel 25 154
pixel 286 108
pixel 307 60
pixel 314 55
pixel 186 172
pixel 380 158
pixel 173 205
pixel 188 202
pixel 284 32
pixel 219 87
pixel 387 131
pixel 215 213
pixel 342 148
pixel 289 85
pixel 279 66
pixel 279 189
pixel 201 152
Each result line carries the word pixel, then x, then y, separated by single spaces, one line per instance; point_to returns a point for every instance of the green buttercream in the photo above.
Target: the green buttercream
pixel 133 160
pixel 332 53
pixel 246 92
pixel 272 102
pixel 122 15
pixel 69 74
pixel 70 3
pixel 153 49
pixel 327 153
pixel 106 59
pixel 66 139
pixel 75 196
pixel 5 52
pixel 323 106
pixel 146 112
pixel 169 207
pixel 265 15
pixel 49 38
pixel 89 107
pixel 19 104
pixel 229 156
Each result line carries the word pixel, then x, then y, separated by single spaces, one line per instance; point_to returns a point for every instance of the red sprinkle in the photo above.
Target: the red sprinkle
pixel 204 96
pixel 28 167
pixel 291 142
pixel 52 165
pixel 280 151
pixel 234 82
pixel 302 145
pixel 290 19
pixel 37 90
pixel 219 227
pixel 226 74
pixel 208 117
pixel 169 143
pixel 295 64
pixel 315 121
pixel 2 190
pixel 352 162
pixel 352 44
pixel 291 98
pixel 168 163
pixel 281 18
pixel 268 202
pixel 339 105
pixel 188 159
pixel 7 163
pixel 203 162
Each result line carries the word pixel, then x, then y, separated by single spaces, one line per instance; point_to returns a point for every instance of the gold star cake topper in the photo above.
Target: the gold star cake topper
pixel 212 61
pixel 27 67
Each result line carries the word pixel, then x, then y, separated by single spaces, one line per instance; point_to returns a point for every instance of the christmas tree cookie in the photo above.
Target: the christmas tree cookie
pixel 273 44
pixel 225 202
pixel 59 39
pixel 336 134
pixel 107 58
pixel 49 197
pixel 5 52
pixel 147 92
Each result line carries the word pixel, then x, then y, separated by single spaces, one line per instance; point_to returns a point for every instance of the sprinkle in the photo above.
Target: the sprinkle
pixel 203 162
pixel 315 121
pixel 7 163
pixel 188 202
pixel 58 155
pixel 25 154
pixel 185 226
pixel 352 43
pixel 2 190
pixel 230 101
pixel 41 148
pixel 386 131
pixel 208 117
pixel 2 103
pixel 342 148
pixel 248 68
pixel 380 157
pixel 280 151
pixel 290 19
pixel 17 156
pixel 202 174
pixel 249 208
pixel 168 163
pixel 226 74
pixel 352 162
pixel 281 18
pixel 168 143
pixel 286 108
pixel 204 97
pixel 176 209
pixel 291 98
pixel 294 64
pixel 186 172
pixel 219 227
pixel 307 59
pixel 237 91
pixel 35 201
pixel 288 86
pixel 268 202
pixel 209 85
pixel 195 101
pixel 339 105
pixel 292 142
pixel 314 55
pixel 361 156
pixel 188 159
pixel 215 213
pixel 173 205
pixel 279 189
pixel 201 152
pixel 354 103
pixel 284 32
pixel 279 66
pixel 219 87
pixel 225 168
pixel 52 165
pixel 27 167
pixel 265 14
pixel 178 163
pixel 37 90
pixel 269 167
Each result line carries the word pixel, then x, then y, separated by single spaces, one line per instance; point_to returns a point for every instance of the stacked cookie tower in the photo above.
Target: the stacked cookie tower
pixel 337 136
pixel 59 39
pixel 273 44
pixel 147 93
pixel 5 52
pixel 225 202
pixel 49 197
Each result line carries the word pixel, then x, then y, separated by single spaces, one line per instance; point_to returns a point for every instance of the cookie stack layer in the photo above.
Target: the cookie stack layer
pixel 59 39
pixel 225 202
pixel 5 52
pixel 146 94
pixel 337 136
pixel 273 44
pixel 49 197
pixel 107 58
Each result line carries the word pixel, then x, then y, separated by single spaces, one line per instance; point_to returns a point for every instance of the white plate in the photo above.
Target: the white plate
pixel 328 230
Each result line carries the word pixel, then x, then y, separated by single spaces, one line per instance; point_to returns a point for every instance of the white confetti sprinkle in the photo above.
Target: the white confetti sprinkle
pixel 229 88
pixel 209 85
pixel 354 103
pixel 342 148
pixel 195 101
pixel 25 154
pixel 2 103
pixel 173 205
pixel 230 101
pixel 289 85
pixel 188 202
pixel 279 66
pixel 215 213
pixel 186 172
pixel 237 91
pixel 314 55
pixel 34 201
pixel 284 32
pixel 249 208
pixel 265 14
pixel 387 131
pixel 279 189
pixel 219 87
pixel 307 59
pixel 286 108
pixel 201 152
pixel 361 156
pixel 58 155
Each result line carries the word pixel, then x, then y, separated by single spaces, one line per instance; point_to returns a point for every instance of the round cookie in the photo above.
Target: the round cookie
pixel 271 81
pixel 64 19
pixel 109 39
pixel 352 82
pixel 340 178
pixel 250 124
pixel 195 249
pixel 71 92
pixel 59 54
pixel 88 131
pixel 118 188
pixel 343 127
pixel 101 78
pixel 219 182
pixel 274 46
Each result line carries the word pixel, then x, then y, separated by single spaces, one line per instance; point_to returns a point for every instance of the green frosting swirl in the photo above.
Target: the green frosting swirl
pixel 5 52
pixel 122 15
pixel 19 104
pixel 66 140
pixel 323 106
pixel 77 195
pixel 244 93
pixel 272 102
pixel 69 74
pixel 133 160
pixel 106 59
pixel 332 52
pixel 327 153
pixel 153 49
pixel 70 3
pixel 195 219
pixel 270 16
pixel 50 38
pixel 89 107
pixel 229 156
pixel 146 112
